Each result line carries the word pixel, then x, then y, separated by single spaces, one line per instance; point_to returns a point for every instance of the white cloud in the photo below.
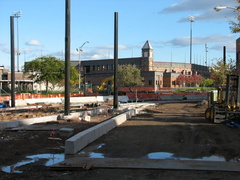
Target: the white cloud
pixel 199 5
pixel 230 46
pixel 204 8
pixel 33 43
pixel 184 41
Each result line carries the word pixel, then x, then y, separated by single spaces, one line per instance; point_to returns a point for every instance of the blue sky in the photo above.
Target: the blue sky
pixel 164 23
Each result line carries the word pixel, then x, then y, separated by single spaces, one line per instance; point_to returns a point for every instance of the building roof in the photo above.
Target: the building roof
pixel 147 45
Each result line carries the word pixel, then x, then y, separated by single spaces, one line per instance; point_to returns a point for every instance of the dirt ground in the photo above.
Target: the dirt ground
pixel 179 129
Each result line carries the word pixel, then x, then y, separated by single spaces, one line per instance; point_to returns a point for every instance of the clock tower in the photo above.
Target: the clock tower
pixel 147 57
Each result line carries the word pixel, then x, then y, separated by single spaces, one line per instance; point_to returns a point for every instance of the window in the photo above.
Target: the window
pixel 150 82
pixel 93 68
pixel 98 68
pixel 87 69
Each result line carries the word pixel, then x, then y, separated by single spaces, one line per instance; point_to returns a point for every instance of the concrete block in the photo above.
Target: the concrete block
pixel 11 124
pixel 66 132
pixel 80 140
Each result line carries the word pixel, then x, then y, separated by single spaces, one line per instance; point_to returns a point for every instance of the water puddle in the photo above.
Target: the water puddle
pixel 51 159
pixel 101 145
pixel 96 155
pixel 166 155
pixel 93 154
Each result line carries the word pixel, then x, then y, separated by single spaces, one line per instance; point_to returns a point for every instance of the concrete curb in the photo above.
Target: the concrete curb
pixel 138 163
pixel 82 139
pixel 17 123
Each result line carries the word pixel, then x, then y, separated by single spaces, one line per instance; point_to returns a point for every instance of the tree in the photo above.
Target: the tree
pixel 181 79
pixel 207 82
pixel 189 80
pixel 220 70
pixel 197 79
pixel 107 84
pixel 48 69
pixel 129 76
pixel 107 81
pixel 235 26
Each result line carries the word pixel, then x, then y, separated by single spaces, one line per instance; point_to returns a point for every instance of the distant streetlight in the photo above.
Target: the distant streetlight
pixel 17 14
pixel 206 49
pixel 79 64
pixel 191 19
pixel 219 8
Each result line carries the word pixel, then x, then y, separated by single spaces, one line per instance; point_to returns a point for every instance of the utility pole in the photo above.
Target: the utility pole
pixel 18 14
pixel 115 98
pixel 12 61
pixel 206 49
pixel 191 19
pixel 79 66
pixel 67 59
pixel 224 56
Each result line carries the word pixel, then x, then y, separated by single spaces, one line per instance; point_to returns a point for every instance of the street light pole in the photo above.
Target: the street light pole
pixel 17 14
pixel 12 61
pixel 191 19
pixel 79 64
pixel 219 8
pixel 206 49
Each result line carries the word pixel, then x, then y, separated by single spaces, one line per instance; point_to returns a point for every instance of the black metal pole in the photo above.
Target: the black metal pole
pixel 224 56
pixel 67 59
pixel 12 62
pixel 115 98
pixel 85 76
pixel 190 42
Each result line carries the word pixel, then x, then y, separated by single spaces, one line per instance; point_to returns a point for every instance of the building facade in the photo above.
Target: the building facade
pixel 21 82
pixel 157 75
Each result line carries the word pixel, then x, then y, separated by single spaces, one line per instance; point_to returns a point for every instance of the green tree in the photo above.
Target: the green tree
pixel 207 82
pixel 48 69
pixel 129 76
pixel 220 70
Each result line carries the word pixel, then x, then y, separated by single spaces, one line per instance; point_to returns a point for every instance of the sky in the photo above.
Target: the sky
pixel 164 23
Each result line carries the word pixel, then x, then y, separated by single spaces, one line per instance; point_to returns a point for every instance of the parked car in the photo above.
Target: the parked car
pixel 3 105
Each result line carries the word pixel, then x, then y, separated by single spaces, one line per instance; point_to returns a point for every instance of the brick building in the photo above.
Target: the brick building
pixel 157 75
pixel 21 81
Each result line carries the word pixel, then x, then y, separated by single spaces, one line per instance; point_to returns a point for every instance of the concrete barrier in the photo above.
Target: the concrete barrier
pixel 82 139
pixel 73 100
pixel 17 123
pixel 44 100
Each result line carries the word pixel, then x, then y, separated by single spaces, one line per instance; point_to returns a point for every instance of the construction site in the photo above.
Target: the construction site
pixel 166 139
